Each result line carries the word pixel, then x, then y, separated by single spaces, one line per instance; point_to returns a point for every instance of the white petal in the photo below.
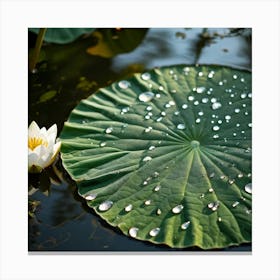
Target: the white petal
pixel 32 159
pixel 56 147
pixel 52 129
pixel 33 130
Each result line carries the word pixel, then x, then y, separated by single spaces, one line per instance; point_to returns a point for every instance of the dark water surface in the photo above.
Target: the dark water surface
pixel 59 219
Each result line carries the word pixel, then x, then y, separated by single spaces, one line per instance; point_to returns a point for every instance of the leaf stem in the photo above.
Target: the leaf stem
pixel 38 46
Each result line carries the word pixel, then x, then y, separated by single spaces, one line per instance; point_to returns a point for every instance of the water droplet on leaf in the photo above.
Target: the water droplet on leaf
pixel 133 231
pixel 146 96
pixel 124 84
pixel 147 158
pixel 128 208
pixel 146 76
pixel 154 232
pixel 181 126
pixel 185 225
pixel 248 188
pixel 106 205
pixel 177 209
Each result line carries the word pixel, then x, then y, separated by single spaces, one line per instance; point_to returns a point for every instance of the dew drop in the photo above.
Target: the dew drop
pixel 157 95
pixel 231 181
pixel 198 120
pixel 200 74
pixel 216 105
pixel 157 188
pixel 219 219
pixel 211 74
pixel 148 202
pixel 196 102
pixel 147 158
pixel 124 84
pixel 234 77
pixel 213 100
pixel 200 113
pixel 248 188
pixel 171 103
pixel 106 205
pixel 128 208
pixel 237 110
pixel 151 148
pixel 211 190
pixel 163 114
pixel 133 231
pixel 184 106
pixel 146 76
pixel 91 196
pixel 240 175
pixel 176 113
pixel 154 232
pixel 213 205
pixel 159 119
pixel 190 98
pixel 181 126
pixel 215 128
pixel 158 211
pixel 146 96
pixel 177 209
pixel 148 129
pixel 109 130
pixel 249 124
pixel 167 105
pixel 235 204
pixel 216 136
pixel 149 108
pixel 156 174
pixel 102 144
pixel 200 89
pixel 124 110
pixel 243 95
pixel 185 225
pixel 221 83
pixel 204 100
pixel 145 183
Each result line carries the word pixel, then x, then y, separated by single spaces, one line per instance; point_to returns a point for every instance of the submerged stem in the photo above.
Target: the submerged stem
pixel 38 46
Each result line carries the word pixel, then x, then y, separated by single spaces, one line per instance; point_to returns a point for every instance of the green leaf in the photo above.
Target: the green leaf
pixel 62 35
pixel 166 155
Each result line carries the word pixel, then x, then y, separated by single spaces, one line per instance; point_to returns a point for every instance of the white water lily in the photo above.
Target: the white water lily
pixel 42 147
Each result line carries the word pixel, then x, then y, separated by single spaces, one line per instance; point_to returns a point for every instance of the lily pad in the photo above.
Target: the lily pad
pixel 165 155
pixel 62 35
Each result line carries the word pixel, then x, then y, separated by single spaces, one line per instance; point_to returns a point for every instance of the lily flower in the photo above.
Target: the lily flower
pixel 42 147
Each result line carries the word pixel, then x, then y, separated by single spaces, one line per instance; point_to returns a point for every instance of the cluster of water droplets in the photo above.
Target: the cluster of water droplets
pixel 201 100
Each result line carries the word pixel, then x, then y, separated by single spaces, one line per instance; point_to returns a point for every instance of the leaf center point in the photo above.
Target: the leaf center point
pixel 195 143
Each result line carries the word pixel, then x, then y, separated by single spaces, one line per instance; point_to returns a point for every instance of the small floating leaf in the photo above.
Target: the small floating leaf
pixel 172 145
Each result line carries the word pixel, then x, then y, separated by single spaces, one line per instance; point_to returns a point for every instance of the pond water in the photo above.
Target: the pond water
pixel 59 219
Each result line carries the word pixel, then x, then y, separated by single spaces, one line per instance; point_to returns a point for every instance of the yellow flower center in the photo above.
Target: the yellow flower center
pixel 34 142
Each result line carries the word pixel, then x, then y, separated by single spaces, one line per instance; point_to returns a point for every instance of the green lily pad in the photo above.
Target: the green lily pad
pixel 62 35
pixel 165 156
